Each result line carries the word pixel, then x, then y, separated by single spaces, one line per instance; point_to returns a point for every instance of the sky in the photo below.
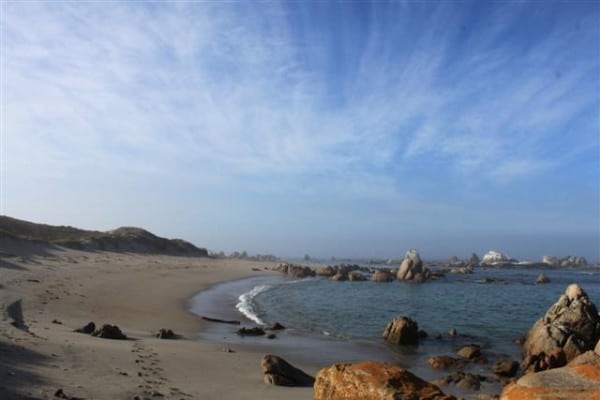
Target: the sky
pixel 346 129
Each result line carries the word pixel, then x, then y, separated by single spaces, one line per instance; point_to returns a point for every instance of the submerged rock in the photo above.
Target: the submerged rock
pixel 402 331
pixel 463 380
pixel 542 278
pixel 505 368
pixel 569 328
pixel 279 372
pixel 370 380
pixel 446 362
pixel 469 351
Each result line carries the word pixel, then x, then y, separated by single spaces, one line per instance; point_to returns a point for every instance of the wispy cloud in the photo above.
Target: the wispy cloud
pixel 297 97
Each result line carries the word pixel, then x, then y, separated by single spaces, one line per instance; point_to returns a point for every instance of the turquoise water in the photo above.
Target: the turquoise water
pixel 331 321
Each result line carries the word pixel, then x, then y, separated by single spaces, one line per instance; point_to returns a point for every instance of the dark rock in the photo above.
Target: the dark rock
pixel 422 334
pixel 255 331
pixel 340 276
pixel 271 336
pixel 453 332
pixel 109 332
pixel 165 334
pixel 402 331
pixel 88 329
pixel 223 321
pixel 370 380
pixel 469 351
pixel 279 372
pixel 446 362
pixel 276 327
pixel 570 327
pixel 506 368
pixel 463 380
pixel 57 322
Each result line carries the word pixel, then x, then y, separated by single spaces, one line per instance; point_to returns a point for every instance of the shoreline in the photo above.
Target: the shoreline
pixel 61 290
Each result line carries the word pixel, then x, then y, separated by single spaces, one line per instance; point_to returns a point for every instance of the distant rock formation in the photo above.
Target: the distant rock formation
pixel 295 271
pixel 569 261
pixel 370 380
pixel 473 261
pixel 494 257
pixel 569 328
pixel 381 275
pixel 411 268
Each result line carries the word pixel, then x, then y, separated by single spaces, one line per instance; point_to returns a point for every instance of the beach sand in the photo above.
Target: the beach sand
pixel 139 293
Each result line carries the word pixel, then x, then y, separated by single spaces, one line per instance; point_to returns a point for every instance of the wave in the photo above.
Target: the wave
pixel 246 304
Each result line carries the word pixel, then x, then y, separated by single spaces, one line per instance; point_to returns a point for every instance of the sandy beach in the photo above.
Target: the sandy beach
pixel 58 290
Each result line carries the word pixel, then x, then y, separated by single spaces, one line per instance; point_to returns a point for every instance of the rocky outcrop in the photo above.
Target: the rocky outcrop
pixel 295 271
pixel 571 382
pixel 569 261
pixel 550 260
pixel 279 372
pixel 412 269
pixel 381 275
pixel 403 331
pixel 494 257
pixel 569 328
pixel 370 380
pixel 325 271
pixel 474 260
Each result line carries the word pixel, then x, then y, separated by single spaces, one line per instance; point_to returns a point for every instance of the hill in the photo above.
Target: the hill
pixel 126 239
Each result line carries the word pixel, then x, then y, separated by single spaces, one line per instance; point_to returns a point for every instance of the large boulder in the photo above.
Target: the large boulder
pixel 370 380
pixel 279 372
pixel 402 331
pixel 412 269
pixel 569 328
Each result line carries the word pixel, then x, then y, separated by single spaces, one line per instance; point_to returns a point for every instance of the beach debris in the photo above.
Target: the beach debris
pixel 276 327
pixel 370 380
pixel 222 321
pixel 402 331
pixel 279 372
pixel 542 278
pixel 163 333
pixel 506 368
pixel 87 329
pixel 446 362
pixel 256 269
pixel 463 380
pixel 469 351
pixel 57 322
pixel 110 332
pixel 569 328
pixel 254 331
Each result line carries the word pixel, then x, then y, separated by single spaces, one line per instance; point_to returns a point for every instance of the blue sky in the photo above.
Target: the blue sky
pixel 331 128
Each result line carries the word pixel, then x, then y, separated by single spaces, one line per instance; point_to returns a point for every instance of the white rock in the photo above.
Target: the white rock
pixel 494 257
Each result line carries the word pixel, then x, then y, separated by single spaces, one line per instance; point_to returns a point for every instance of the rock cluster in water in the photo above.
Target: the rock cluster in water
pixel 569 328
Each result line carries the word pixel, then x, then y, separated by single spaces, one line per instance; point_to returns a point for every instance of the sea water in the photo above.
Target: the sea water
pixel 490 307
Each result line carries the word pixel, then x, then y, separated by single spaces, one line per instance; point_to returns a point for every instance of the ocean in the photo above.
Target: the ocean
pixel 330 321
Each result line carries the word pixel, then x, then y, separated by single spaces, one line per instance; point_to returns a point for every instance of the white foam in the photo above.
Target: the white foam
pixel 245 304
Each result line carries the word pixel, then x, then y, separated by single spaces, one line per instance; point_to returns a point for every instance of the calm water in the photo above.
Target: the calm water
pixel 352 315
